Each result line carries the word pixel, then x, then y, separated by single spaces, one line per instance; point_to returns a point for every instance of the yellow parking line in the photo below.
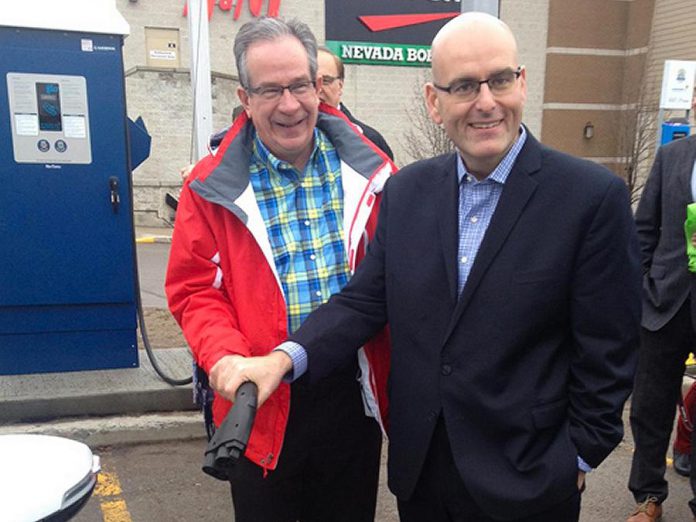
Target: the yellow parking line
pixel 108 491
pixel 115 511
pixel 108 485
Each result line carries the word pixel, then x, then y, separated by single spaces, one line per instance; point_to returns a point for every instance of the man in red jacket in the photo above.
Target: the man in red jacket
pixel 266 230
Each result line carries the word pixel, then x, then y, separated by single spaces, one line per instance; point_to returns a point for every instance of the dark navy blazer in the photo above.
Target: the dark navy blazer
pixel 530 366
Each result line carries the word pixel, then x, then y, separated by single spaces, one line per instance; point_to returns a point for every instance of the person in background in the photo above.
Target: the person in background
pixel 509 274
pixel 266 230
pixel 667 333
pixel 332 74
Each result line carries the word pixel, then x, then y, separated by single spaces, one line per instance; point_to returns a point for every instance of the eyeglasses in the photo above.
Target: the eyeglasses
pixel 467 89
pixel 275 92
pixel 327 79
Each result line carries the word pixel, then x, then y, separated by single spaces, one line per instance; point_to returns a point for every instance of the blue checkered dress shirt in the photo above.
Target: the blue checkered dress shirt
pixel 303 213
pixel 477 203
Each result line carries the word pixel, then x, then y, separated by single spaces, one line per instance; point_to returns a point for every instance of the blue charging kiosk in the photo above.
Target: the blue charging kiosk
pixel 67 269
pixel 673 130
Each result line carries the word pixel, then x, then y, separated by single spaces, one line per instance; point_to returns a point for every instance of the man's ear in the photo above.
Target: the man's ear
pixel 432 102
pixel 523 83
pixel 244 99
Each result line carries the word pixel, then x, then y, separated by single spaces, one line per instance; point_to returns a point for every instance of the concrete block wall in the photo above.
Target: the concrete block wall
pixel 382 97
pixel 163 99
pixel 528 19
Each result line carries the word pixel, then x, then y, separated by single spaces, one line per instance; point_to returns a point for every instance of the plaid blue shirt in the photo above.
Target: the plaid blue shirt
pixel 477 203
pixel 303 213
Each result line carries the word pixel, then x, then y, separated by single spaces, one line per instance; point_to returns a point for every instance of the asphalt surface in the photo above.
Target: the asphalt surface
pixel 152 461
pixel 163 481
pixel 152 265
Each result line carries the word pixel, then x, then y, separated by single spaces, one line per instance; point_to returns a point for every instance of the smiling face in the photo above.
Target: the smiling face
pixel 484 128
pixel 286 125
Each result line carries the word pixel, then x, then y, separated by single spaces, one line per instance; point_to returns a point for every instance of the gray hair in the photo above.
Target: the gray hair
pixel 269 29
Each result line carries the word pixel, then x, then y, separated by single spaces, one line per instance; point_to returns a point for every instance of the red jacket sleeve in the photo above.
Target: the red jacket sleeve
pixel 195 286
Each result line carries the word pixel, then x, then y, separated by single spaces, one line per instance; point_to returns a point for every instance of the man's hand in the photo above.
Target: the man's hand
pixel 185 171
pixel 231 371
pixel 581 481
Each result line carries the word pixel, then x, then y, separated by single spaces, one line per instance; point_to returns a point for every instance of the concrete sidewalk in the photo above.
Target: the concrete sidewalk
pixel 104 406
pixel 38 403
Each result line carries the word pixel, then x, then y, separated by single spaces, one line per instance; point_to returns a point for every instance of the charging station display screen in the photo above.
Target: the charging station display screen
pixel 48 101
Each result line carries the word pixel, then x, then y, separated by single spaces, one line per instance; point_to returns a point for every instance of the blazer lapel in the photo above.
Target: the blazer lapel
pixel 447 200
pixel 518 188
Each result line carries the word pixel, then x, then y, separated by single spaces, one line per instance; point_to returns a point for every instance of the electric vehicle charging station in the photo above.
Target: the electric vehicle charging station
pixel 67 271
pixel 674 130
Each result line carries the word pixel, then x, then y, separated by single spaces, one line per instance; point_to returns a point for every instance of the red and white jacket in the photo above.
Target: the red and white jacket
pixel 222 285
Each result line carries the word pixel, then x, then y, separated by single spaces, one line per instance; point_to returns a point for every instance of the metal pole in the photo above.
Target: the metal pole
pixel 487 6
pixel 200 77
pixel 660 121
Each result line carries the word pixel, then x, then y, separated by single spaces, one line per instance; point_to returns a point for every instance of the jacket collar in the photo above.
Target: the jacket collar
pixel 228 177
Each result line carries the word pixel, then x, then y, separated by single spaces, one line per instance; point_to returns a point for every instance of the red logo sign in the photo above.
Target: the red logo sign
pixel 386 22
pixel 255 7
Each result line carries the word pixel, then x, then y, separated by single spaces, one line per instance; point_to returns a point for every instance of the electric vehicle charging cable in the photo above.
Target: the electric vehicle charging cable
pixel 143 330
pixel 141 318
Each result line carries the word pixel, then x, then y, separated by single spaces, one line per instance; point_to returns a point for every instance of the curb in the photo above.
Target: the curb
pixel 127 392
pixel 119 430
pixel 153 239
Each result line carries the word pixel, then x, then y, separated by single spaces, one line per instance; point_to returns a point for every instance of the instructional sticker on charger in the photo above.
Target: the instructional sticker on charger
pixel 50 118
pixel 26 124
pixel 74 126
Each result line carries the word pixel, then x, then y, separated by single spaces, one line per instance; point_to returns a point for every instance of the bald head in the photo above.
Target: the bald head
pixel 471 33
pixel 478 89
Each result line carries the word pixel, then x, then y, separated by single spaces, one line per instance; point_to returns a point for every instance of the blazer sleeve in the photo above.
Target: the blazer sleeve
pixel 605 317
pixel 649 213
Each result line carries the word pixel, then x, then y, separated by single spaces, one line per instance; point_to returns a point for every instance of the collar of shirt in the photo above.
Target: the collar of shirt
pixel 265 157
pixel 502 171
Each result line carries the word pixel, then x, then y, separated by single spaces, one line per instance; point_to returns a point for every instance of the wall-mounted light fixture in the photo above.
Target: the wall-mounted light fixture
pixel 588 131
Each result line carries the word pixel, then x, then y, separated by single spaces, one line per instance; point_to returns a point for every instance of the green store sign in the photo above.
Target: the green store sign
pixel 381 53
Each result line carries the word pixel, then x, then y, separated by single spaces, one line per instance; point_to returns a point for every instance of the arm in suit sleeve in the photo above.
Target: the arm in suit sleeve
pixel 648 214
pixel 336 330
pixel 605 318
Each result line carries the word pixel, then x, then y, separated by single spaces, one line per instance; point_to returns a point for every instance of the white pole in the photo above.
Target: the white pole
pixel 200 77
pixel 486 6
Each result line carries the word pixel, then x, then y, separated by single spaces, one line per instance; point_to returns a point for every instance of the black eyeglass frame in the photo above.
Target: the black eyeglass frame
pixel 327 79
pixel 448 89
pixel 265 90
